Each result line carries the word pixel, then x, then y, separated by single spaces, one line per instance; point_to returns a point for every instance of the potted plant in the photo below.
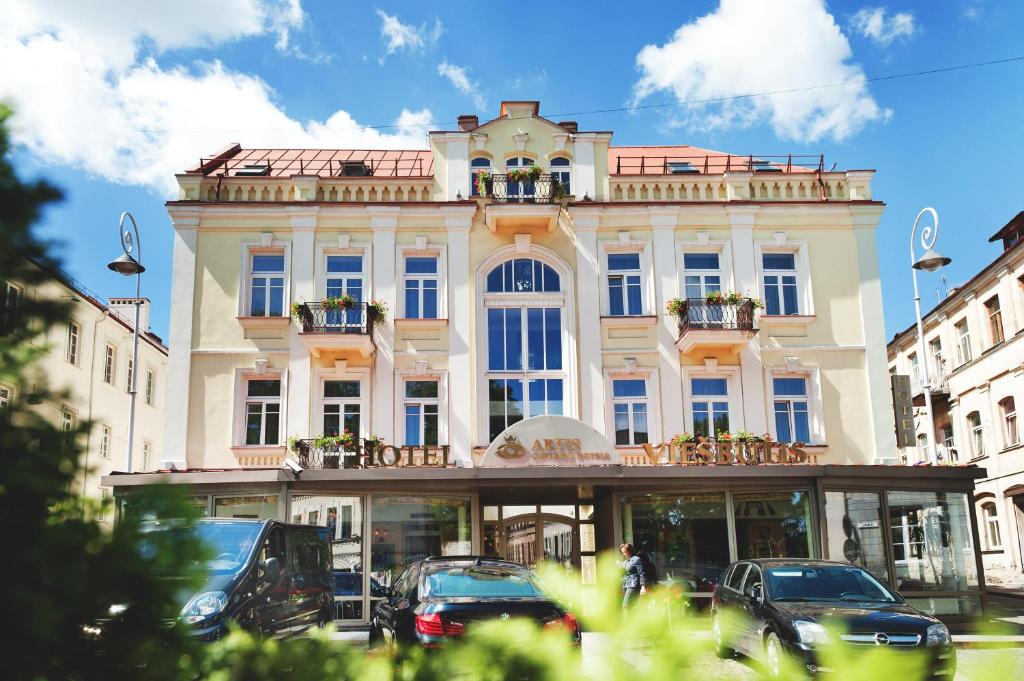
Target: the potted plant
pixel 338 303
pixel 715 298
pixel 676 306
pixel 517 175
pixel 378 310
pixel 484 183
pixel 294 444
pixel 682 438
pixel 298 311
pixel 744 436
pixel 733 298
pixel 534 173
pixel 557 189
pixel 724 436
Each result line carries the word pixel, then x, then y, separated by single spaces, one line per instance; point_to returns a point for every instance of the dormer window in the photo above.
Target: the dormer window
pixel 680 168
pixel 759 166
pixel 354 169
pixel 253 170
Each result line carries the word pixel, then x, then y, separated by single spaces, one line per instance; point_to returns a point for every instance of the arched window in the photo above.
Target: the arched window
pixel 480 164
pixel 1009 413
pixel 977 434
pixel 521 190
pixel 562 173
pixel 993 537
pixel 525 370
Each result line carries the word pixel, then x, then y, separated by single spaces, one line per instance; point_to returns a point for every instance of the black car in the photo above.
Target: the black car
pixel 273 578
pixel 789 608
pixel 436 599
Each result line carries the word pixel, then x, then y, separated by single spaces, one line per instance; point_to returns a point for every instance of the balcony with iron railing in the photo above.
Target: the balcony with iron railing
pixel 334 328
pixel 938 379
pixel 707 323
pixel 526 202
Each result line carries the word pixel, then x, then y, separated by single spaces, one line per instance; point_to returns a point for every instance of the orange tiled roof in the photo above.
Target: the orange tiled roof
pixel 652 160
pixel 321 162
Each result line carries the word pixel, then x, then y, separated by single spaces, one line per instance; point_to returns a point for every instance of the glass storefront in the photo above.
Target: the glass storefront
pixel 773 524
pixel 931 541
pixel 257 507
pixel 856 532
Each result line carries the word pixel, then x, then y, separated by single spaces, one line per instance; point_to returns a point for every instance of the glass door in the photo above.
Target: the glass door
pixel 532 534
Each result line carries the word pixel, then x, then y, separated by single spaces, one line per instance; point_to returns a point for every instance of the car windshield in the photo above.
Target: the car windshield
pixel 229 543
pixel 825 583
pixel 481 581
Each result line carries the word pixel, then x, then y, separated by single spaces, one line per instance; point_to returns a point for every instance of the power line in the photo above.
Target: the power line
pixel 643 107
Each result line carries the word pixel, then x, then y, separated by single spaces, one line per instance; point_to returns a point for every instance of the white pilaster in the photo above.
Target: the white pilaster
pixel 744 267
pixel 666 285
pixel 457 162
pixel 179 360
pixel 876 363
pixel 591 365
pixel 303 287
pixel 384 221
pixel 584 172
pixel 462 406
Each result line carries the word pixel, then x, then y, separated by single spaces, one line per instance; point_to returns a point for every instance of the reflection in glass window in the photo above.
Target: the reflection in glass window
pixel 259 507
pixel 682 534
pixel 931 541
pixel 710 406
pixel 773 524
pixel 855 531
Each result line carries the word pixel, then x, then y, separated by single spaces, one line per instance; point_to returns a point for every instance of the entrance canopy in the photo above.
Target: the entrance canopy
pixel 550 441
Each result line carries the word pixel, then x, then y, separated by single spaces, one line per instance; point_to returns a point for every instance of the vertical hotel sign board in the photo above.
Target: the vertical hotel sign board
pixel 903 408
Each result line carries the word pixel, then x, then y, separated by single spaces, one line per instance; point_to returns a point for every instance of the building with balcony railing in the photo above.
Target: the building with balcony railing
pixel 562 328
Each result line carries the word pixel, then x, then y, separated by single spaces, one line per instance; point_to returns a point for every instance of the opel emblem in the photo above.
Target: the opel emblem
pixel 881 640
pixel 504 615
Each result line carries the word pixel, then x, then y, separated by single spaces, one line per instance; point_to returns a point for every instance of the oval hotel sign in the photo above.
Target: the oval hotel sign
pixel 550 441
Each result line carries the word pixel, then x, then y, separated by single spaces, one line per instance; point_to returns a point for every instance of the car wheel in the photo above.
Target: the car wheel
pixel 773 655
pixel 721 650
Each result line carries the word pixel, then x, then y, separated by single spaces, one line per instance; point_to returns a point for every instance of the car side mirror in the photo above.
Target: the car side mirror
pixel 272 569
pixel 756 593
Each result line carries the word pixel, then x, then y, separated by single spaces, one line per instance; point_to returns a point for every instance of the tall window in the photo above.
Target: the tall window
pixel 147 454
pixel 923 450
pixel 935 350
pixel 524 189
pixel 67 419
pixel 1008 409
pixel 421 287
pixel 780 289
pixel 702 274
pixel 993 537
pixel 791 413
pixel 266 285
pixel 629 402
pixel 10 304
pixel 710 405
pixel 109 364
pixel 105 435
pixel 150 386
pixel 525 375
pixel 263 412
pixel 5 402
pixel 624 284
pixel 915 366
pixel 421 412
pixel 949 443
pixel 963 342
pixel 977 434
pixel 74 338
pixel 131 375
pixel 342 407
pixel 345 275
pixel 476 166
pixel 995 319
pixel 561 173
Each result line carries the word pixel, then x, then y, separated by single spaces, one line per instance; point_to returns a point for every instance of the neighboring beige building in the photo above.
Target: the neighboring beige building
pixel 974 341
pixel 526 268
pixel 89 358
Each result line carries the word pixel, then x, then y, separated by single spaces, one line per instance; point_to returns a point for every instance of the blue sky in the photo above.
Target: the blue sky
pixel 119 98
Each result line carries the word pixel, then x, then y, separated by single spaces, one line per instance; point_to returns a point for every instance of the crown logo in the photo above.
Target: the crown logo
pixel 512 449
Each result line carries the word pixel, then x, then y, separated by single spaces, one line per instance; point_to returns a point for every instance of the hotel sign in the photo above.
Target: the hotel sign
pixel 707 453
pixel 550 441
pixel 903 411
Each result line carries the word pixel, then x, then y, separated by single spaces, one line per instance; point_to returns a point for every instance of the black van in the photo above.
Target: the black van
pixel 272 578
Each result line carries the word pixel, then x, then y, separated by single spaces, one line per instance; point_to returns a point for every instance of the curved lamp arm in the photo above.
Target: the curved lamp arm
pixel 928 235
pixel 130 241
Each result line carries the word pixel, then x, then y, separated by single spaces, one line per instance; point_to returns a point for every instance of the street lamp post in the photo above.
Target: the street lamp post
pixel 930 261
pixel 129 263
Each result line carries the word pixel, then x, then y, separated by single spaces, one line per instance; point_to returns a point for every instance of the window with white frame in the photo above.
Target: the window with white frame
pixel 345 277
pixel 10 306
pixel 792 413
pixel 478 165
pixel 963 342
pixel 1008 410
pixel 421 286
pixel 130 377
pixel 109 364
pixel 629 407
pixel 147 454
pixel 915 367
pixel 709 406
pixel 342 407
pixel 949 443
pixel 266 283
pixel 73 342
pixel 150 387
pixel 68 419
pixel 521 189
pixel 702 274
pixel 625 284
pixel 5 402
pixel 781 293
pixel 105 435
pixel 561 172
pixel 524 372
pixel 262 411
pixel 422 412
pixel 977 434
pixel 938 363
pixel 923 450
pixel 993 536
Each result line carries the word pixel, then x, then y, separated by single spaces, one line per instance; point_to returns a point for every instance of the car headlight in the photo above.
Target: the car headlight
pixel 203 606
pixel 938 635
pixel 811 633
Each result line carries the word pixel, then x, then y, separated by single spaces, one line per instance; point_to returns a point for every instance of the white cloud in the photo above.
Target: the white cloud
pixel 460 79
pixel 750 46
pixel 874 24
pixel 95 105
pixel 406 37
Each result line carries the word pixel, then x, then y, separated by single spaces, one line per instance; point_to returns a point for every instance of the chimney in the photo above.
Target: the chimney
pixel 468 121
pixel 125 309
pixel 568 125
